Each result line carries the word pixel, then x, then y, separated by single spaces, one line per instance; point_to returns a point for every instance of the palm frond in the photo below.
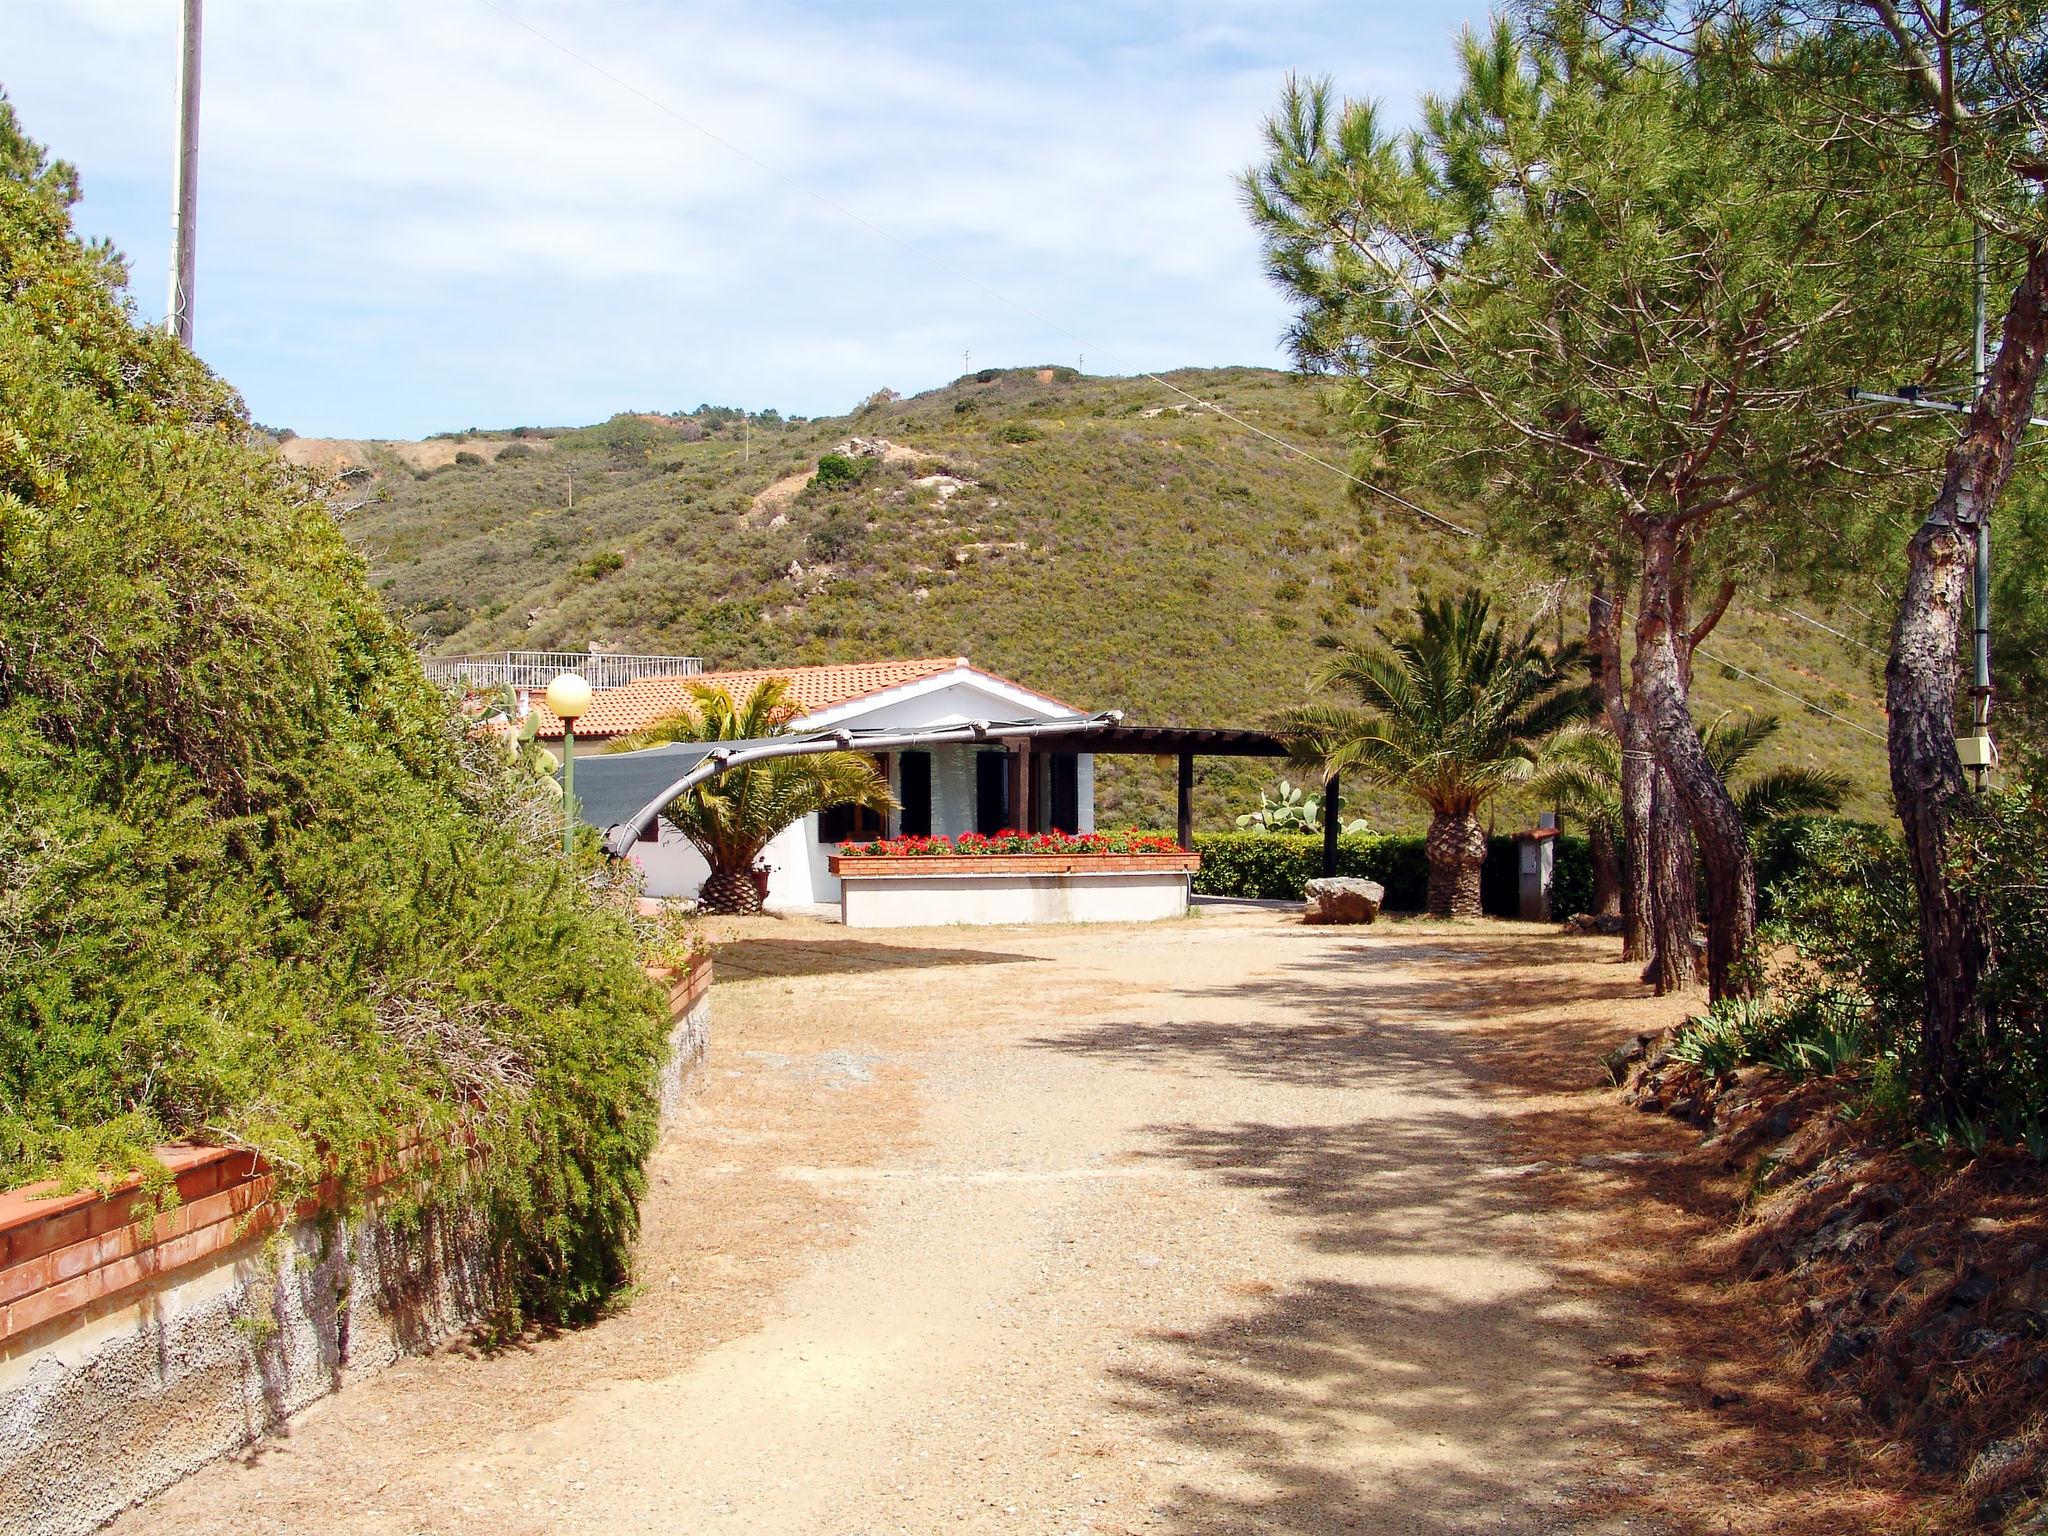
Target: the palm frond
pixel 1790 792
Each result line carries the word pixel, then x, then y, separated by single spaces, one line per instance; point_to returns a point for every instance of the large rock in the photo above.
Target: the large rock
pixel 1343 900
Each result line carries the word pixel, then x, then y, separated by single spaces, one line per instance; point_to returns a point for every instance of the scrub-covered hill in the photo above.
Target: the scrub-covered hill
pixel 1103 539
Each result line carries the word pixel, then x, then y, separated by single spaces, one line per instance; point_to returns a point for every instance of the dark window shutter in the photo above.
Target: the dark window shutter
pixel 915 791
pixel 1066 792
pixel 991 792
pixel 835 824
pixel 854 823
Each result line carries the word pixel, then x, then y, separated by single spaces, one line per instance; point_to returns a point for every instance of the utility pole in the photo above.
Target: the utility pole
pixel 1976 751
pixel 1980 757
pixel 185 193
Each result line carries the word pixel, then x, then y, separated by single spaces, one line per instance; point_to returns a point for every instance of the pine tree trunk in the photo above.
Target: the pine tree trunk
pixel 1606 868
pixel 729 892
pixel 1637 904
pixel 1456 847
pixel 1674 890
pixel 1920 687
pixel 1638 872
pixel 1717 828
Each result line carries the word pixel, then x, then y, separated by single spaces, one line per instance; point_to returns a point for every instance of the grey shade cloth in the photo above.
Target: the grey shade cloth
pixel 610 786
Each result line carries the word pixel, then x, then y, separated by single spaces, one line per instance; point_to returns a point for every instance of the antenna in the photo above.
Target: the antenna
pixel 185 180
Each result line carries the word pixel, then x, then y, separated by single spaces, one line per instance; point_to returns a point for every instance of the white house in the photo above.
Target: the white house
pixel 944 790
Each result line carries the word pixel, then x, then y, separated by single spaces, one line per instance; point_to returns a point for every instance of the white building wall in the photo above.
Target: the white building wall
pixel 797 861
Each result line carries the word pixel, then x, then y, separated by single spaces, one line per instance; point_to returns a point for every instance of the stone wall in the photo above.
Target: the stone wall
pixel 136 1346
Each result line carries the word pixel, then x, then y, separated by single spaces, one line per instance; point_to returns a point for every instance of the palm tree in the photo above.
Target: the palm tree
pixel 1580 773
pixel 732 817
pixel 1454 710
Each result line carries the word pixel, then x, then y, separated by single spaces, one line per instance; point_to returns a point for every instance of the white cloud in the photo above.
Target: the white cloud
pixel 376 174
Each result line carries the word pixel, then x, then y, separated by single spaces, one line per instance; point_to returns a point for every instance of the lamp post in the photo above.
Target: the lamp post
pixel 568 696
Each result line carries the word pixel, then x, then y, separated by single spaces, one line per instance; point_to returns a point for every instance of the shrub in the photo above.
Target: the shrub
pixel 1017 432
pixel 513 452
pixel 837 470
pixel 600 565
pixel 468 458
pixel 257 884
pixel 838 538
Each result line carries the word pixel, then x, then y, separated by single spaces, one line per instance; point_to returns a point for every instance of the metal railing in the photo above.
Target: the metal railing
pixel 536 669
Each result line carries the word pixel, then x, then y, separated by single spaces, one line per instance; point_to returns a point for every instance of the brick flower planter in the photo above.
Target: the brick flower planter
pixel 934 890
pixel 135 1347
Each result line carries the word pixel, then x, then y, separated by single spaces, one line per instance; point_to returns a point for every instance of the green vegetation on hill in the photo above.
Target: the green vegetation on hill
pixel 1101 539
pixel 257 888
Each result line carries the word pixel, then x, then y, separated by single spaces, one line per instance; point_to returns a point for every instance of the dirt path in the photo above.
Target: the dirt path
pixel 1200 1227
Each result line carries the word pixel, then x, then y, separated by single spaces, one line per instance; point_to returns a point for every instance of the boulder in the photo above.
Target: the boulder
pixel 1343 900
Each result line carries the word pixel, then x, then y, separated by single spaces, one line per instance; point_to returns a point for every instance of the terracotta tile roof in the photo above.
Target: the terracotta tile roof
pixel 621 711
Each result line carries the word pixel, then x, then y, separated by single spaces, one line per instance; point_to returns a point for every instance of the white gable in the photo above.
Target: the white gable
pixel 962 693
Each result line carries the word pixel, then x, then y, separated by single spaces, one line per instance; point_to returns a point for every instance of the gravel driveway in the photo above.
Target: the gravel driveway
pixel 1207 1226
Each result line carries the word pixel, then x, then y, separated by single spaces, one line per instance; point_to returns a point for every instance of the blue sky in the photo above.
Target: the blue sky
pixel 417 217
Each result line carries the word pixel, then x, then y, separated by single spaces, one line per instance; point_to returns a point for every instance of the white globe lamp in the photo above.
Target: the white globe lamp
pixel 569 696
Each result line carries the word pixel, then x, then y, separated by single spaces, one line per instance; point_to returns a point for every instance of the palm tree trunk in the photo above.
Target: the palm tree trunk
pixel 729 892
pixel 1456 847
pixel 1920 686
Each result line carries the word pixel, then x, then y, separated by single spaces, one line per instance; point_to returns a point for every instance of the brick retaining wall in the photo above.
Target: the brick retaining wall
pixel 136 1344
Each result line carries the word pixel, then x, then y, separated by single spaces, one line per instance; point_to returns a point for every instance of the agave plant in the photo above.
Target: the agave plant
pixel 1454 710
pixel 730 819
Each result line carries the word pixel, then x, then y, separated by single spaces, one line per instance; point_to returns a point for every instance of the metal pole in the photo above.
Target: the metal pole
pixel 569 786
pixel 1184 801
pixel 1980 693
pixel 185 193
pixel 1332 800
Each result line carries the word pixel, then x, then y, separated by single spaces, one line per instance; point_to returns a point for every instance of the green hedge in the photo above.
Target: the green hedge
pixel 1274 866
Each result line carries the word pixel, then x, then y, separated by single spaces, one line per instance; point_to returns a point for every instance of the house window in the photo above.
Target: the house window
pixel 992 777
pixel 914 789
pixel 1065 796
pixel 854 823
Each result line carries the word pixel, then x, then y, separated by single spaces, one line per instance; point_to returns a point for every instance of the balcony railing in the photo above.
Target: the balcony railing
pixel 533 670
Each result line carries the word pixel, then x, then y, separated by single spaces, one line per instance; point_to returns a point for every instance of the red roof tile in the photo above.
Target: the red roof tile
pixel 621 711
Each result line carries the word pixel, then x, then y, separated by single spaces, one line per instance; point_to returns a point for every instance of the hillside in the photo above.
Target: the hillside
pixel 1099 538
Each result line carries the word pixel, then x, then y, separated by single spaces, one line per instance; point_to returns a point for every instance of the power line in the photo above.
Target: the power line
pixel 1819 709
pixel 968 278
pixel 1807 618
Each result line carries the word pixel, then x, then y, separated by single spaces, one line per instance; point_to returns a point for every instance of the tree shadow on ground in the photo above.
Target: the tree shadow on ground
pixel 1432 1379
pixel 1482 1406
pixel 804 956
pixel 1435 1313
